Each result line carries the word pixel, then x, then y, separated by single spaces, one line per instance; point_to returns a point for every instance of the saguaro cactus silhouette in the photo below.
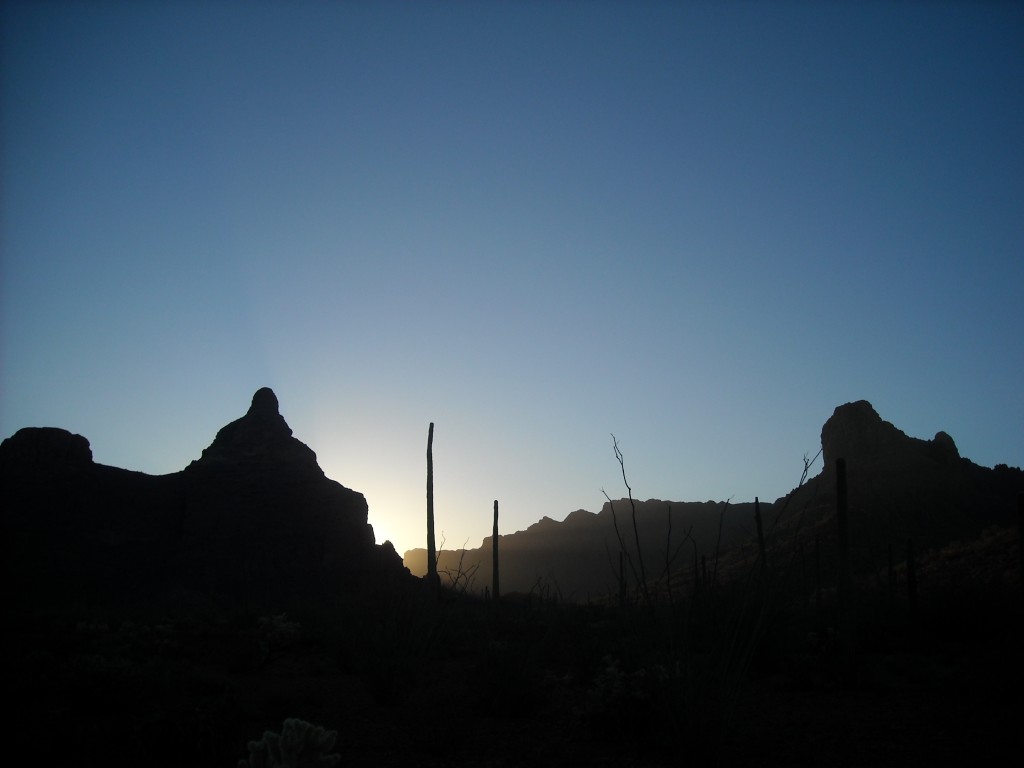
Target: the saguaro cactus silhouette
pixel 845 582
pixel 845 586
pixel 1020 540
pixel 494 546
pixel 432 577
pixel 760 533
pixel 911 580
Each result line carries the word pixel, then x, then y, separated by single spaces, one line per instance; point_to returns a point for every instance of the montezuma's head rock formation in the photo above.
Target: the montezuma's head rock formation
pixel 900 487
pixel 856 431
pixel 252 524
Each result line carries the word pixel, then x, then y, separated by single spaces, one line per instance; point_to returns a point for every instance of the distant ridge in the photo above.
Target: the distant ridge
pixel 577 558
pixel 900 488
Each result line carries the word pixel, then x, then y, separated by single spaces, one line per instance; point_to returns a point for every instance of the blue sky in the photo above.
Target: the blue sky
pixel 699 226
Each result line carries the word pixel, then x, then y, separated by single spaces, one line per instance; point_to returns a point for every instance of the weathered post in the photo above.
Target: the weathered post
pixel 696 571
pixel 846 620
pixel 911 580
pixel 817 574
pixel 1020 540
pixel 844 538
pixel 494 576
pixel 622 579
pixel 892 578
pixel 803 576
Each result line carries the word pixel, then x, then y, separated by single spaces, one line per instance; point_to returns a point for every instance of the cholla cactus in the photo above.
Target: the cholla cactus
pixel 299 745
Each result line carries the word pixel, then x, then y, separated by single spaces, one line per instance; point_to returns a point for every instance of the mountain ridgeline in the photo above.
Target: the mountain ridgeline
pixel 900 489
pixel 253 523
pixel 169 620
pixel 578 559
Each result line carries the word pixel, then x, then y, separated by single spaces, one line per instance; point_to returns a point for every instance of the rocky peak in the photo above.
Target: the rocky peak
pixel 264 405
pixel 262 434
pixel 857 433
pixel 856 429
pixel 946 445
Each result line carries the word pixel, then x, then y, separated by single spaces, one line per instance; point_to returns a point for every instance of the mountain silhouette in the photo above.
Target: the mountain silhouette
pixel 254 523
pixel 577 559
pixel 194 610
pixel 900 488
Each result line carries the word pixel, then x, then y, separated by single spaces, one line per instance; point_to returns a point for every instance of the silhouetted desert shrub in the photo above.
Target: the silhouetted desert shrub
pixel 299 745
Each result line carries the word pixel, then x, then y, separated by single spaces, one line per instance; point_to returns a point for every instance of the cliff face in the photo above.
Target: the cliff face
pixel 253 523
pixel 856 432
pixel 899 488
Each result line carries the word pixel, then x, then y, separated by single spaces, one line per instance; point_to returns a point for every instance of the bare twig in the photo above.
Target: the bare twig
pixel 636 532
pixel 632 507
pixel 461 578
pixel 623 550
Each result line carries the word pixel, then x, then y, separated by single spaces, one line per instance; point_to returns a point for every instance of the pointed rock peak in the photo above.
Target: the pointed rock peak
pixel 946 445
pixel 263 416
pixel 264 404
pixel 262 434
pixel 263 421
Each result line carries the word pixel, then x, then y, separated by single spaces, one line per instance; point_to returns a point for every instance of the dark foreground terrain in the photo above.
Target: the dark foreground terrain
pixel 421 682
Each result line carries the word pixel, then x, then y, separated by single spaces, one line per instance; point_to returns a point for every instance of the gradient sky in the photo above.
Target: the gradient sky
pixel 699 226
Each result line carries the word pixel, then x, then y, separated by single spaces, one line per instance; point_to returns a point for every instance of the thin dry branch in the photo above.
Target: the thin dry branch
pixel 641 577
